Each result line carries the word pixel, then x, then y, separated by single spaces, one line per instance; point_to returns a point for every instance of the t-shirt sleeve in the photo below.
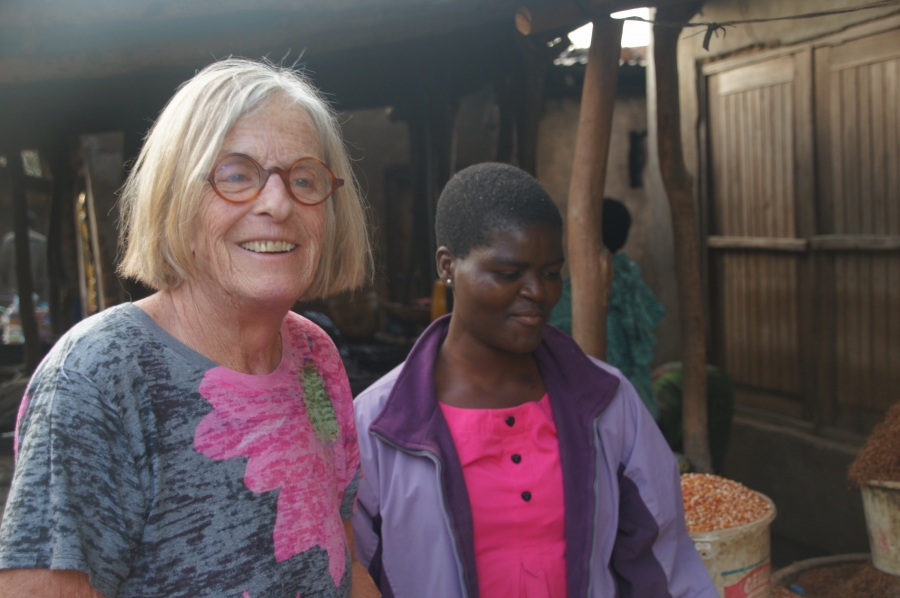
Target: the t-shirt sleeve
pixel 328 361
pixel 76 500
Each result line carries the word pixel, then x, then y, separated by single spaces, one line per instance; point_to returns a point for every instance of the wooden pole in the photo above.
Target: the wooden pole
pixel 679 187
pixel 100 269
pixel 24 282
pixel 589 262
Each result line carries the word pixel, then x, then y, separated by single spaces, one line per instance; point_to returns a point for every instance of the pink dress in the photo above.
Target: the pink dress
pixel 510 461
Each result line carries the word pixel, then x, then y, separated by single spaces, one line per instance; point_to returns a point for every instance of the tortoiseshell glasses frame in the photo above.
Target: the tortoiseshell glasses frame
pixel 238 178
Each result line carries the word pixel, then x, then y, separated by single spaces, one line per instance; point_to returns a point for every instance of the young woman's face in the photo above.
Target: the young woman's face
pixel 504 292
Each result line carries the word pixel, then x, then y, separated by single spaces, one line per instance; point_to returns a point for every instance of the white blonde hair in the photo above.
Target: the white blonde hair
pixel 162 194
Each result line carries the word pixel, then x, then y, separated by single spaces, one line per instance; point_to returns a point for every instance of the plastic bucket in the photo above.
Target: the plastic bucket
pixel 881 504
pixel 738 558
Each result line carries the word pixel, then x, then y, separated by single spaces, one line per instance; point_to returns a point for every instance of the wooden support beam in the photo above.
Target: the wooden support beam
pixel 24 282
pixel 765 243
pixel 568 15
pixel 816 243
pixel 101 265
pixel 549 17
pixel 571 14
pixel 589 262
pixel 855 242
pixel 679 187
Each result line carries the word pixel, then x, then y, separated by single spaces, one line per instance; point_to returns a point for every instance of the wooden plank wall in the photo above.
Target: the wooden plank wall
pixel 806 265
pixel 760 320
pixel 864 148
pixel 867 321
pixel 860 89
pixel 754 190
pixel 752 124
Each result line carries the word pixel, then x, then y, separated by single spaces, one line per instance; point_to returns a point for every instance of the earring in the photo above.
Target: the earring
pixel 449 281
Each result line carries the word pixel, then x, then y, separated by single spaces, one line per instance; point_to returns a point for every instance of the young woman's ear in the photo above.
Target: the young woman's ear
pixel 446 265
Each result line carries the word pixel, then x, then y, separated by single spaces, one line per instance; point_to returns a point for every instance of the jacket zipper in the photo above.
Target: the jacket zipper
pixel 597 468
pixel 437 463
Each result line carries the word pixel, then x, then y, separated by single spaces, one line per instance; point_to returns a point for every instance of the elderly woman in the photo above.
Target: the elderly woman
pixel 200 442
pixel 501 461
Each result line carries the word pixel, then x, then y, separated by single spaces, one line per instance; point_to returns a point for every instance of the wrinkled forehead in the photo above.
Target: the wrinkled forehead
pixel 277 135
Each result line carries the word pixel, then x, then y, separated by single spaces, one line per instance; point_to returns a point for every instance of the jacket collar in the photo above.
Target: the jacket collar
pixel 579 392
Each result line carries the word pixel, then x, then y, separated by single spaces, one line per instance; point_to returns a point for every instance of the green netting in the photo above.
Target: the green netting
pixel 668 386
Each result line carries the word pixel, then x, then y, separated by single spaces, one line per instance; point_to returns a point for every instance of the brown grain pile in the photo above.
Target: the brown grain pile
pixel 848 581
pixel 879 459
pixel 713 503
pixel 784 593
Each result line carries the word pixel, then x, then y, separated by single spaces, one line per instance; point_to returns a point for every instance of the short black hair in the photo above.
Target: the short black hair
pixel 485 198
pixel 616 224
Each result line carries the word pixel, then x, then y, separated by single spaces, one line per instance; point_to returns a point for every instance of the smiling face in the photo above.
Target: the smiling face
pixel 504 291
pixel 264 251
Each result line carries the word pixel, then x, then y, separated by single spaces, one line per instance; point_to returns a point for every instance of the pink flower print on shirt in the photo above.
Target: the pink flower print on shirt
pixel 268 424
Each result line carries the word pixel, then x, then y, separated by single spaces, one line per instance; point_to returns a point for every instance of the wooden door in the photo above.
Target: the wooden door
pixel 858 152
pixel 760 193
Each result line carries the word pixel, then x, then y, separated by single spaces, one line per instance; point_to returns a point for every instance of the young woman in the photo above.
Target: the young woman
pixel 501 461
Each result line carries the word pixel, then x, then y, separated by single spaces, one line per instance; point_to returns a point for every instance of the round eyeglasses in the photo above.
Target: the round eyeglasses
pixel 238 178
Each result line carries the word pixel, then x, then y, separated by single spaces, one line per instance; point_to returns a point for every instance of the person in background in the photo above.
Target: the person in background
pixel 501 461
pixel 201 442
pixel 634 313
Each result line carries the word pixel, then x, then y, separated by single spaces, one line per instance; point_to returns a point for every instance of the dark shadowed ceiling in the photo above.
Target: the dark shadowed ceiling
pixel 71 66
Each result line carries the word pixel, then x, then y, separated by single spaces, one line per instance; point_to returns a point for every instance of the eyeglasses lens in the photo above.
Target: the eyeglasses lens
pixel 237 178
pixel 310 181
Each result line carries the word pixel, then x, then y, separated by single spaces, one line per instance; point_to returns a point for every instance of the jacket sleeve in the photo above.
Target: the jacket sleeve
pixel 366 519
pixel 653 556
pixel 366 524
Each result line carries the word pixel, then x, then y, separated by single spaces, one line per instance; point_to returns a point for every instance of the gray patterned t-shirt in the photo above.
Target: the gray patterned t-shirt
pixel 161 474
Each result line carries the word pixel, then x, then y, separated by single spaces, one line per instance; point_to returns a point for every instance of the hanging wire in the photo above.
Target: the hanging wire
pixel 713 28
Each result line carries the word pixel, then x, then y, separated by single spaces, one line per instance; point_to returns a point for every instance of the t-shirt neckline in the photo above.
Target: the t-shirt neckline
pixel 231 376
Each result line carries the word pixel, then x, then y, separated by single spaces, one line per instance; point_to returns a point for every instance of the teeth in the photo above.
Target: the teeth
pixel 268 246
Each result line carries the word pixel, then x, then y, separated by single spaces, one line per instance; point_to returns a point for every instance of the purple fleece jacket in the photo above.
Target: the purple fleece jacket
pixel 624 520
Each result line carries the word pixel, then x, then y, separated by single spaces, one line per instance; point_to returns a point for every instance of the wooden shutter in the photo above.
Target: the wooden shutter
pixel 803 209
pixel 760 192
pixel 858 151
